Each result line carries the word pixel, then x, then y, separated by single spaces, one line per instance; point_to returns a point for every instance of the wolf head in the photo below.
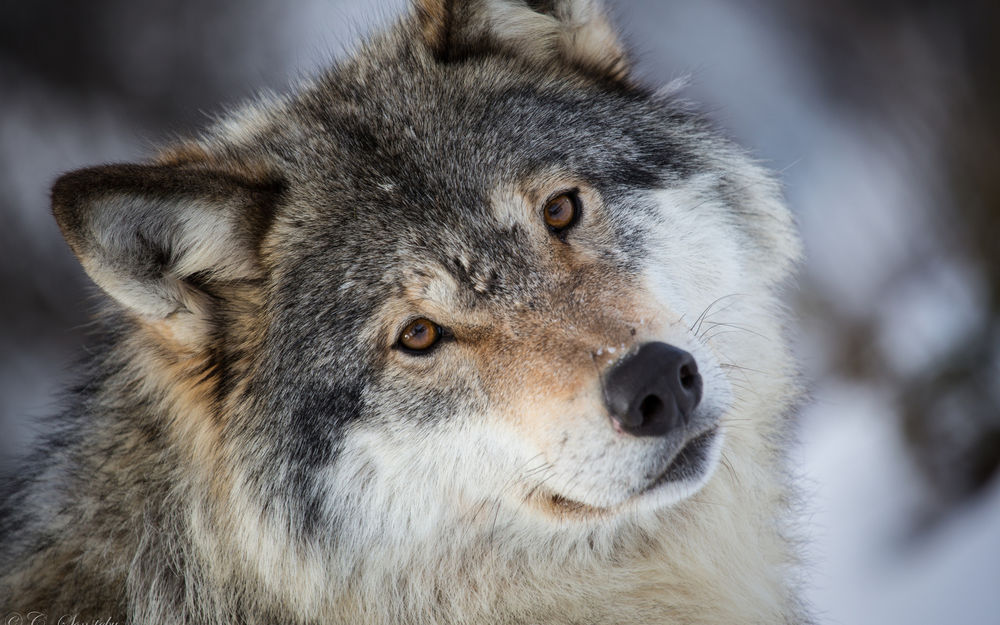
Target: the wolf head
pixel 473 305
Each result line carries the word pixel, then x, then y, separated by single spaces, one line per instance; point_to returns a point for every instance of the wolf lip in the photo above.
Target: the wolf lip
pixel 688 463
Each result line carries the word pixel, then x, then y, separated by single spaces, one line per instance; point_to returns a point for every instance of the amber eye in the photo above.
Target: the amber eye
pixel 420 335
pixel 562 211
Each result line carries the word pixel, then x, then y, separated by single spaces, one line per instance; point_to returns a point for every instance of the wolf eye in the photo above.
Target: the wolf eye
pixel 420 335
pixel 562 211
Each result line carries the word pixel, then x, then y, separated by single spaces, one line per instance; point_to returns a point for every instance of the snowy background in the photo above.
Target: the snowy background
pixel 883 117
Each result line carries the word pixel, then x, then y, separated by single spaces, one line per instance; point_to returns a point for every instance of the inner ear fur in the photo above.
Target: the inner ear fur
pixel 150 234
pixel 576 32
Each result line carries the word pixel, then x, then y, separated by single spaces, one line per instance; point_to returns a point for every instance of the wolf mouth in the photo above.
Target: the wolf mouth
pixel 688 464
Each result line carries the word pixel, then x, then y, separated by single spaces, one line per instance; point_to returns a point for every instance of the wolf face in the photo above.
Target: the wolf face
pixel 460 331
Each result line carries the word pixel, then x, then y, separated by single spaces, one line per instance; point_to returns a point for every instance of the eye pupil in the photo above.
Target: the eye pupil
pixel 420 335
pixel 560 211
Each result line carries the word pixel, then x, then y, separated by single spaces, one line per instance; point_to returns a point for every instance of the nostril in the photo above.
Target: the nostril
pixel 650 406
pixel 689 378
pixel 689 393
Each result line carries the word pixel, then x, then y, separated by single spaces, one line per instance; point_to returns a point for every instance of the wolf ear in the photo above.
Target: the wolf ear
pixel 149 235
pixel 574 31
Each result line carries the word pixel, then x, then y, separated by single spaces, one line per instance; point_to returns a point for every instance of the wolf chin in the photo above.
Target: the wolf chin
pixel 471 328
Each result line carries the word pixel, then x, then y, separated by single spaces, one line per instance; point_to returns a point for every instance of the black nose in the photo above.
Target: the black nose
pixel 653 391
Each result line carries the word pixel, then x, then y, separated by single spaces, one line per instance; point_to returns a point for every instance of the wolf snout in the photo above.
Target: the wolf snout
pixel 653 391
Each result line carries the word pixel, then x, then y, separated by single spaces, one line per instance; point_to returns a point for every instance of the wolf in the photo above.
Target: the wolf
pixel 473 327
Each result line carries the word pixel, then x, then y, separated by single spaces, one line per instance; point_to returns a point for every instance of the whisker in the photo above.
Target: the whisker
pixel 696 326
pixel 729 365
pixel 735 326
pixel 708 338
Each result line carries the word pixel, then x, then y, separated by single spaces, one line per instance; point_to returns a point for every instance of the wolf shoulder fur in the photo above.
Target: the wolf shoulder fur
pixel 390 349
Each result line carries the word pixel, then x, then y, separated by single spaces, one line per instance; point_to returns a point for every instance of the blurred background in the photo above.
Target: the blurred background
pixel 883 117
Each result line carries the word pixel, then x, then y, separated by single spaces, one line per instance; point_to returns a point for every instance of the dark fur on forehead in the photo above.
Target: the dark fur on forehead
pixel 448 135
pixel 407 153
